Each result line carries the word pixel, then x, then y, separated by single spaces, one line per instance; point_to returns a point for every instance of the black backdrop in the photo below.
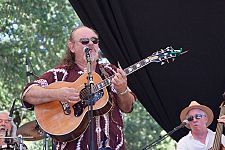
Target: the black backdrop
pixel 131 30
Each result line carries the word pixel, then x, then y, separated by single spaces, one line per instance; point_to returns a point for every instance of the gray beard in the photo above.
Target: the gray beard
pixel 2 133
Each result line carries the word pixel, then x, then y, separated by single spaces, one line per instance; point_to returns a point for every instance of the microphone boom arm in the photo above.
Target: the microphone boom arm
pixel 161 138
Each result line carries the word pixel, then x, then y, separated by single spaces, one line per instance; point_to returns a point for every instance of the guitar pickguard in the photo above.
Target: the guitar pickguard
pixel 85 101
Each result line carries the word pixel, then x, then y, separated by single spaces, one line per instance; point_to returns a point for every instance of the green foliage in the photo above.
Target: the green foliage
pixel 141 130
pixel 37 30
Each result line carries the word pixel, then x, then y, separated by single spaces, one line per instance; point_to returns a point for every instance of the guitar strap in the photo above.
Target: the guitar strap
pixel 105 141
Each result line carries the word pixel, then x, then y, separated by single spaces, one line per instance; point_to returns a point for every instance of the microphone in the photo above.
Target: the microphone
pixel 12 108
pixel 17 119
pixel 27 70
pixel 183 124
pixel 86 49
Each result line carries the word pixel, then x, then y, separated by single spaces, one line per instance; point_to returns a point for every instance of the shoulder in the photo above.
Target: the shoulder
pixel 65 67
pixel 210 132
pixel 183 139
pixel 58 69
pixel 183 142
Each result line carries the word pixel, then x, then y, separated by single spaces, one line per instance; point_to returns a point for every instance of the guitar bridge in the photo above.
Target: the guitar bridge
pixel 66 108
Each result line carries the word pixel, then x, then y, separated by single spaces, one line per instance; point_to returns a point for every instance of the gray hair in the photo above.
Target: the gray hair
pixel 13 128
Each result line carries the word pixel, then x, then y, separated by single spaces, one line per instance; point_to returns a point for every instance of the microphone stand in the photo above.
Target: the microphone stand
pixel 12 108
pixel 13 125
pixel 89 87
pixel 28 72
pixel 20 140
pixel 45 141
pixel 161 138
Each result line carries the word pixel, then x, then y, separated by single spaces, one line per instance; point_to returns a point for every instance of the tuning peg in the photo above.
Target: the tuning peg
pixel 162 63
pixel 156 53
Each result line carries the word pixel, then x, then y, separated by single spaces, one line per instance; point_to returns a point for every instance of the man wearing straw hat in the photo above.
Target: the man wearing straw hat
pixel 200 137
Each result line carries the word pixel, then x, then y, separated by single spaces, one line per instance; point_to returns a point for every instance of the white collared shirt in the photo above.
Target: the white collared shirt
pixel 189 143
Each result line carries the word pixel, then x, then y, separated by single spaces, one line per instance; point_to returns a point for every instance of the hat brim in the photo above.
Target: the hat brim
pixel 206 109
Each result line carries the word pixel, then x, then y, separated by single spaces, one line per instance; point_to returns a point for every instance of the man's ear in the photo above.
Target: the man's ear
pixel 206 120
pixel 71 46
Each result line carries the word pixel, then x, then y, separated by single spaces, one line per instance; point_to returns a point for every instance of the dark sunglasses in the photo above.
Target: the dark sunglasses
pixel 85 41
pixel 196 116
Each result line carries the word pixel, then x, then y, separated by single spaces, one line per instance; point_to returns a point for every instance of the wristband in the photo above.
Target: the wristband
pixel 124 92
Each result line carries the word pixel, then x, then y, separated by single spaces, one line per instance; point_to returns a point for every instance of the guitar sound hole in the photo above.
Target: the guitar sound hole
pixel 94 97
pixel 80 106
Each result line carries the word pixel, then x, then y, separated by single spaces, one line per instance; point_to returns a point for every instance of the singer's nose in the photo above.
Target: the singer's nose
pixel 194 119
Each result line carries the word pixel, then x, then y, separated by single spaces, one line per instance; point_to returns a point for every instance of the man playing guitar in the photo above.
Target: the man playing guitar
pixel 48 94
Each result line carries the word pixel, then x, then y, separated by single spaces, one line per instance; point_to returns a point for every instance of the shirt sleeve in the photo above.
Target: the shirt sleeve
pixel 43 81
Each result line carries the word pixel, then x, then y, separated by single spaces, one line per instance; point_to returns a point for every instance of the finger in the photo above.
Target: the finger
pixel 221 120
pixel 122 72
pixel 119 76
pixel 116 77
pixel 222 116
pixel 74 98
pixel 114 81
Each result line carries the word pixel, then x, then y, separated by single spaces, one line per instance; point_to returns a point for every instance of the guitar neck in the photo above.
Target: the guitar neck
pixel 219 131
pixel 139 65
pixel 106 82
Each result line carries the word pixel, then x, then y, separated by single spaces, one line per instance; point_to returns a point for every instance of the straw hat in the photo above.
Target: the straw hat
pixel 196 105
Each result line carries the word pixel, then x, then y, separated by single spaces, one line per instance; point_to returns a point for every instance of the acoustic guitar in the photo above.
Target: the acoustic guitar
pixel 219 131
pixel 66 121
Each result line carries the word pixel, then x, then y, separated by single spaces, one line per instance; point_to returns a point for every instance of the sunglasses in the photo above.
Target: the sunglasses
pixel 196 116
pixel 85 41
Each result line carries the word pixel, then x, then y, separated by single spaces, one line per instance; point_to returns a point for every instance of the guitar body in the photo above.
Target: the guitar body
pixel 221 147
pixel 219 131
pixel 67 127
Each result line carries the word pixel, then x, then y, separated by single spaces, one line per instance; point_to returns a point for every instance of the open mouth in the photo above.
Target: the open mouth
pixel 195 125
pixel 2 132
pixel 2 129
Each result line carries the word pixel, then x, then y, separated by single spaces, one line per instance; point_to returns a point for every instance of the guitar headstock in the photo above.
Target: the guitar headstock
pixel 164 55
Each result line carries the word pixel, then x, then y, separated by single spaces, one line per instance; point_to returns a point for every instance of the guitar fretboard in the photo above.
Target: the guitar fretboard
pixel 128 70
